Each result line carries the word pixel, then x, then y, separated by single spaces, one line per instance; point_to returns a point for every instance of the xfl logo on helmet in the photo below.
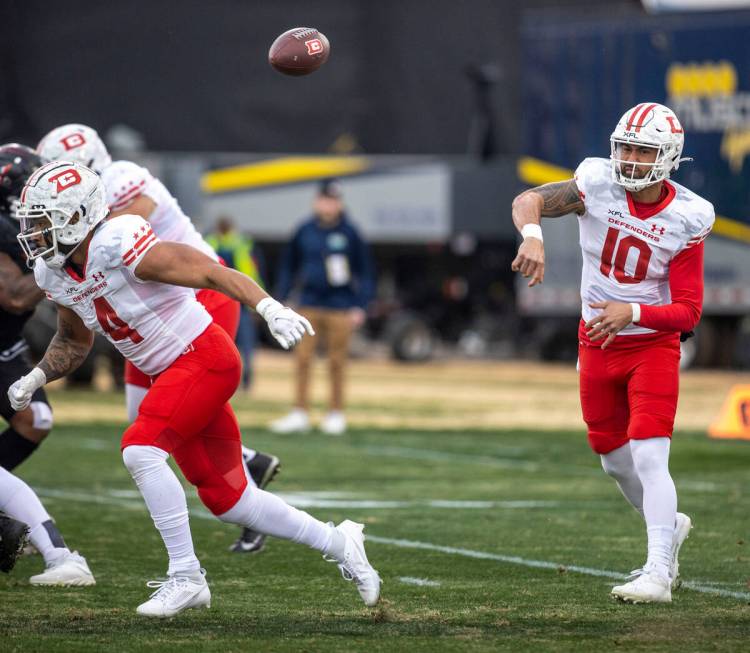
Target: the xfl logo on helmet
pixel 72 141
pixel 314 46
pixel 66 179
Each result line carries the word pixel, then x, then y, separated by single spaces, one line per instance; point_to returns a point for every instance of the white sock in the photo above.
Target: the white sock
pixel 165 499
pixel 619 465
pixel 268 514
pixel 134 395
pixel 651 460
pixel 18 500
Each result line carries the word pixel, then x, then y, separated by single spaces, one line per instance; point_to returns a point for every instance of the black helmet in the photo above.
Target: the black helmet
pixel 17 163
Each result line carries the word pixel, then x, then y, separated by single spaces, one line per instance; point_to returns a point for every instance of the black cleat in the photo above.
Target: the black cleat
pixel 12 539
pixel 249 541
pixel 262 469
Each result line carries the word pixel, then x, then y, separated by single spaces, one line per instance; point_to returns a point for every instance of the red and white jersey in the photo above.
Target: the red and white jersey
pixel 627 258
pixel 125 181
pixel 150 323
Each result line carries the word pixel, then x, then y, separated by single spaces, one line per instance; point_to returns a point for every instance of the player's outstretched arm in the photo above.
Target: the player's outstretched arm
pixel 67 350
pixel 18 291
pixel 549 201
pixel 182 265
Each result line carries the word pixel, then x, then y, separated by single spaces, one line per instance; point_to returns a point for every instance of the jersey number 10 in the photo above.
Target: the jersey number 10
pixel 621 256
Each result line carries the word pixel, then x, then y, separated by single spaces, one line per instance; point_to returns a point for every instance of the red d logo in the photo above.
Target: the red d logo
pixel 72 141
pixel 314 46
pixel 66 179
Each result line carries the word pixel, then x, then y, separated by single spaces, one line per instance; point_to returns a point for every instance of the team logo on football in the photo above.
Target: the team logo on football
pixel 72 141
pixel 314 46
pixel 66 179
pixel 656 229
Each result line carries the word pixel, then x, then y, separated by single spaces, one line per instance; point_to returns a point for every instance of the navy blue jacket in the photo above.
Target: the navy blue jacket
pixel 332 265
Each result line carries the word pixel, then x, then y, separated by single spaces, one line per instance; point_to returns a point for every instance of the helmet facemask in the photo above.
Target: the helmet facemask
pixel 46 235
pixel 657 171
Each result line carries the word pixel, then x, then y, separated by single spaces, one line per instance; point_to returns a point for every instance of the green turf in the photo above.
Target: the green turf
pixel 288 599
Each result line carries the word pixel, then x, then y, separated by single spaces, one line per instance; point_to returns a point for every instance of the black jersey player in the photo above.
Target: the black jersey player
pixel 23 511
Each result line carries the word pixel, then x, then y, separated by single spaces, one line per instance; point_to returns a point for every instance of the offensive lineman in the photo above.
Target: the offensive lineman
pixel 27 427
pixel 132 190
pixel 115 276
pixel 642 285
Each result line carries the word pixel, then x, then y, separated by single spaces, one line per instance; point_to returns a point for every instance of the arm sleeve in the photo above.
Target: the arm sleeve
pixel 686 288
pixel 364 270
pixel 287 267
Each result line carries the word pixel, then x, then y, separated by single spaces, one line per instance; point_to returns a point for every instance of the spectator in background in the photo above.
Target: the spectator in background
pixel 333 268
pixel 240 253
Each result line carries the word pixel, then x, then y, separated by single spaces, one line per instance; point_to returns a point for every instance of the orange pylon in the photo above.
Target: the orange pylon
pixel 733 421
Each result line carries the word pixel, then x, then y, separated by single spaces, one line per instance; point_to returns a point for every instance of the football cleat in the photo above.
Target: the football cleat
pixel 262 469
pixel 683 524
pixel 249 541
pixel 68 570
pixel 647 587
pixel 334 423
pixel 13 535
pixel 295 421
pixel 175 594
pixel 355 566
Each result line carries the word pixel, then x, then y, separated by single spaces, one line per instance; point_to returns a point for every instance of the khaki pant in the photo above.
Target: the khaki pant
pixel 334 327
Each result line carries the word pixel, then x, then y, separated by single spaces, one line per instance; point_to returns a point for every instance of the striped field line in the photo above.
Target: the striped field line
pixel 201 513
pixel 419 582
pixel 544 564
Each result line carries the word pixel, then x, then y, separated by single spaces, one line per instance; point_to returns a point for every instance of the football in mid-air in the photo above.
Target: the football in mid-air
pixel 299 51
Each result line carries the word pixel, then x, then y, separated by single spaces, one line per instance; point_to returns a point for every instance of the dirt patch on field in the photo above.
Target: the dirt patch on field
pixel 439 395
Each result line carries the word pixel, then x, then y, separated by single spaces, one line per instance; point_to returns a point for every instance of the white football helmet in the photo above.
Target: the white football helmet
pixel 59 205
pixel 647 125
pixel 77 143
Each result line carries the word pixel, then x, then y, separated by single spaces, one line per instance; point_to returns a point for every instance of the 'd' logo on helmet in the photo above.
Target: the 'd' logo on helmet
pixel 314 46
pixel 675 125
pixel 66 179
pixel 72 141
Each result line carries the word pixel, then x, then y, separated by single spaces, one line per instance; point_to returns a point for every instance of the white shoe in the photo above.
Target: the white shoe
pixel 355 565
pixel 334 423
pixel 68 570
pixel 295 421
pixel 175 594
pixel 648 587
pixel 683 524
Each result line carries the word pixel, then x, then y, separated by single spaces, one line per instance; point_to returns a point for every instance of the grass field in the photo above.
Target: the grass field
pixel 487 539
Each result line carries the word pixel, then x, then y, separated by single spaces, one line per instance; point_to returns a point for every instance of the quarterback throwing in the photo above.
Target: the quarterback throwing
pixel 641 236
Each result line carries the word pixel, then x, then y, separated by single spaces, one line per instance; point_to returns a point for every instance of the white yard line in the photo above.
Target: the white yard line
pixel 543 564
pixel 315 500
pixel 446 456
pixel 420 582
pixel 202 513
